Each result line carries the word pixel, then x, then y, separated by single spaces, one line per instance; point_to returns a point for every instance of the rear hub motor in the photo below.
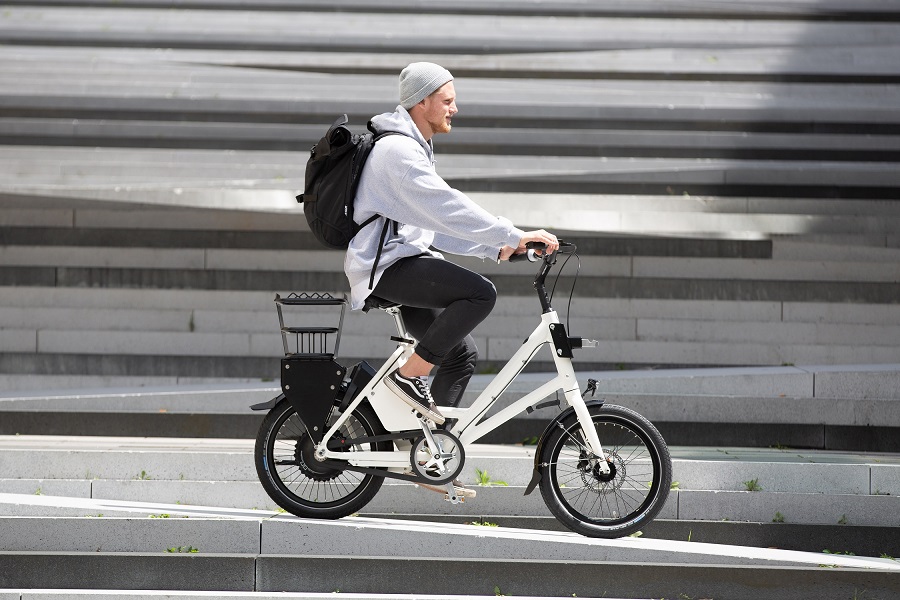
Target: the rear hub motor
pixel 309 466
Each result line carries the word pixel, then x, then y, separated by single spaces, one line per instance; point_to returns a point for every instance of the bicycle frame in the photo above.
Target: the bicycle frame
pixel 470 428
pixel 471 424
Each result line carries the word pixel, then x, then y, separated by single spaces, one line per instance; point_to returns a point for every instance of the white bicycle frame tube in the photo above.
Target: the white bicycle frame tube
pixel 371 458
pixel 471 426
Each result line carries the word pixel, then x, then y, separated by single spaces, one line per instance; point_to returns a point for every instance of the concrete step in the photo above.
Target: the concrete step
pixel 267 533
pixel 503 502
pixel 161 87
pixel 241 361
pixel 234 310
pixel 805 486
pixel 264 533
pixel 511 283
pixel 140 337
pixel 860 431
pixel 836 382
pixel 200 259
pixel 836 408
pixel 221 29
pixel 39 594
pixel 492 173
pixel 467 578
pixel 281 537
pixel 783 249
pixel 702 469
pixel 198 226
pixel 795 10
pixel 860 64
pixel 541 142
pixel 742 235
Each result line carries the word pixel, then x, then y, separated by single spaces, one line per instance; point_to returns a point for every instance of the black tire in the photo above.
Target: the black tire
pixel 301 485
pixel 594 505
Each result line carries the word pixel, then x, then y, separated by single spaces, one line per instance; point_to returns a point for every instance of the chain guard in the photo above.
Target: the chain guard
pixel 451 456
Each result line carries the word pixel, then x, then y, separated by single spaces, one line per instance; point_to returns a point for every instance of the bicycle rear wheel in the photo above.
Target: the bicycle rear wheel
pixel 609 506
pixel 303 486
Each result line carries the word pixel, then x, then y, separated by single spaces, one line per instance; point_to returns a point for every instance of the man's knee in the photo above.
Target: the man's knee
pixel 486 294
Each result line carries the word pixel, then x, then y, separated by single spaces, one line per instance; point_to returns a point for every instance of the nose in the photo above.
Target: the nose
pixel 453 109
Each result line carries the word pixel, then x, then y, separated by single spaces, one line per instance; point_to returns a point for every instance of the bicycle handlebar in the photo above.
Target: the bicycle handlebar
pixel 531 256
pixel 547 262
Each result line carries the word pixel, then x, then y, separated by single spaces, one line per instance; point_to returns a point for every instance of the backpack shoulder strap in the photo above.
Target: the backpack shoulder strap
pixel 387 222
pixel 384 230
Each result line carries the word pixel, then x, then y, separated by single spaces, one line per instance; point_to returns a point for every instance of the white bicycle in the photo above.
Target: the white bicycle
pixel 333 435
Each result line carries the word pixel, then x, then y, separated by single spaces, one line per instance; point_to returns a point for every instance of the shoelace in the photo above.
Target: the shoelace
pixel 422 384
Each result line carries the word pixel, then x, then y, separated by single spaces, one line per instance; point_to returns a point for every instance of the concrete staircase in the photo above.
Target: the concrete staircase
pixel 117 296
pixel 848 408
pixel 729 207
pixel 729 172
pixel 93 519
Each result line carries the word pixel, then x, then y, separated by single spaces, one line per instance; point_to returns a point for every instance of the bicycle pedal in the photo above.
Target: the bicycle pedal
pixel 455 500
pixel 460 494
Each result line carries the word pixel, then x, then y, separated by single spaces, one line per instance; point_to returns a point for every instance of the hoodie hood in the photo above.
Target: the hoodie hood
pixel 400 121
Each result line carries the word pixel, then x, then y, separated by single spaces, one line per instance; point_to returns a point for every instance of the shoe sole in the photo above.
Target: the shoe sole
pixel 436 417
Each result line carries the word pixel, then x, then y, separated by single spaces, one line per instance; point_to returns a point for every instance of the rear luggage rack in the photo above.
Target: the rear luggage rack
pixel 312 343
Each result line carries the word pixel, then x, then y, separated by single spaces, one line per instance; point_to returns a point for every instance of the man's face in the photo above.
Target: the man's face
pixel 440 108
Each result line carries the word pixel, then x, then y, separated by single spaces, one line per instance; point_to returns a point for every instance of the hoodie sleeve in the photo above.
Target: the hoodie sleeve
pixel 423 199
pixel 446 243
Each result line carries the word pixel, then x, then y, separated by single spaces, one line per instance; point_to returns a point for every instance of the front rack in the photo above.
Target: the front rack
pixel 311 342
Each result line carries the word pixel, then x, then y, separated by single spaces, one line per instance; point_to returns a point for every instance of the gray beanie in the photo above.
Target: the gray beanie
pixel 419 80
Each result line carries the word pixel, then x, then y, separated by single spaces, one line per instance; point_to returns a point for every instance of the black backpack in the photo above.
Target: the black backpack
pixel 332 177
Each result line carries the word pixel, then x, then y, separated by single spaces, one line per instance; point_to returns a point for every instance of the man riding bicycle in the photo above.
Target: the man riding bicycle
pixel 441 302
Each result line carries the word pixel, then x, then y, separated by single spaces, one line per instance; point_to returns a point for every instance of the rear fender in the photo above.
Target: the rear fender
pixel 268 405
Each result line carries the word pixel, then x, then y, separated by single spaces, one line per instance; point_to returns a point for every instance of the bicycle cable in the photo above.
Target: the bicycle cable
pixel 572 291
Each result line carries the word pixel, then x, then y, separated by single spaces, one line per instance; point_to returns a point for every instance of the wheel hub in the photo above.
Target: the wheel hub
pixel 599 475
pixel 604 483
pixel 305 454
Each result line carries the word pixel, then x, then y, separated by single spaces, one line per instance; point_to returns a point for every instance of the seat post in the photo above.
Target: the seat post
pixel 394 311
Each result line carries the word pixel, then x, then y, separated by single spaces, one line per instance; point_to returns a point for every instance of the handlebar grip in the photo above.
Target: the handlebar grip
pixel 528 255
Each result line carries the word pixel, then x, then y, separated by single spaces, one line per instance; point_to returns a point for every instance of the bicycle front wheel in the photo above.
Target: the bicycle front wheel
pixel 300 484
pixel 612 505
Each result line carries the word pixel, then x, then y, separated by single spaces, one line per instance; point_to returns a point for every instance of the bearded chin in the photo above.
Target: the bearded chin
pixel 440 127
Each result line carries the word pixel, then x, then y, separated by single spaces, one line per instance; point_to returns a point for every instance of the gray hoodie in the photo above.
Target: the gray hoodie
pixel 399 182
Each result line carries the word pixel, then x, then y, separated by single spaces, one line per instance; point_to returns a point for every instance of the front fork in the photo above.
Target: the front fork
pixel 590 439
pixel 575 399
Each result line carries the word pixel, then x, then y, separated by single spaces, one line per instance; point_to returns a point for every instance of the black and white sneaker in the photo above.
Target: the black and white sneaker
pixel 415 392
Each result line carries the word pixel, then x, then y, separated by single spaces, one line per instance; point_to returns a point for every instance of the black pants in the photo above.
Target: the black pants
pixel 441 304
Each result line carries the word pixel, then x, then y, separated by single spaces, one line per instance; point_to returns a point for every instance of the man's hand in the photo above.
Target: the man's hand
pixel 544 237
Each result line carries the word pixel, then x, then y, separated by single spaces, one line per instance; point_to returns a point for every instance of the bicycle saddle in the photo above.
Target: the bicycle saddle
pixel 376 302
